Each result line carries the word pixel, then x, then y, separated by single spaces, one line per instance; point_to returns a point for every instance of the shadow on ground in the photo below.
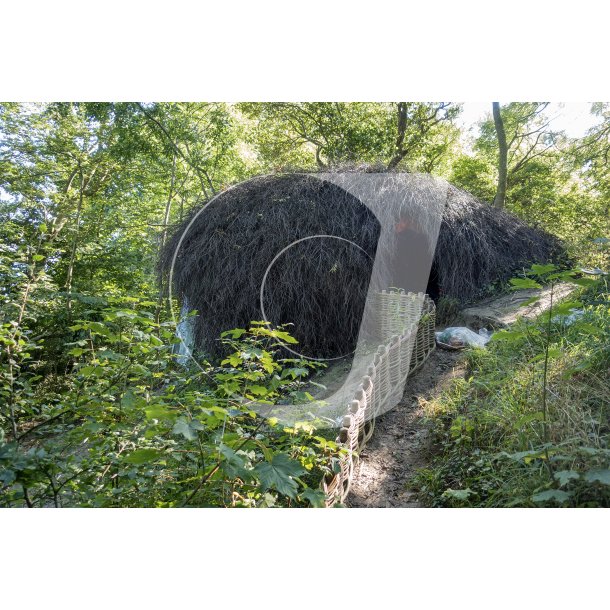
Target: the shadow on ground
pixel 401 442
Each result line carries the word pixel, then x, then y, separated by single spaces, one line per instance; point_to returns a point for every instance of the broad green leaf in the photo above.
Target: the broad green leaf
pixel 182 427
pixel 284 336
pixel 566 308
pixel 458 494
pixel 129 399
pixel 522 283
pixel 233 360
pixel 88 370
pixel 140 456
pixel 252 352
pixel 529 456
pixel 542 269
pixel 158 412
pixel 234 464
pixel 598 475
pixel 561 275
pixel 236 333
pixel 315 497
pixel 257 390
pixel 278 474
pixel 508 335
pixel 303 396
pixel 565 476
pixel 306 426
pixel 295 372
pixel 556 495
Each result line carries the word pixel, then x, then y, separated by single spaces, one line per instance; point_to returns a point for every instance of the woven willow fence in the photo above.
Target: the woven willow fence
pixel 407 328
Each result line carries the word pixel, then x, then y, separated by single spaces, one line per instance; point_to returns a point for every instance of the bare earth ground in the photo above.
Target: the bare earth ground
pixel 502 311
pixel 401 444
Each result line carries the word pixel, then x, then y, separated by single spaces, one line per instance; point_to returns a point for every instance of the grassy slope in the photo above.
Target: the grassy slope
pixel 494 450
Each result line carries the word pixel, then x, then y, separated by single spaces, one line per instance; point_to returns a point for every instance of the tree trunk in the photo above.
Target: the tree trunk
pixel 500 198
pixel 168 207
pixel 70 271
pixel 399 152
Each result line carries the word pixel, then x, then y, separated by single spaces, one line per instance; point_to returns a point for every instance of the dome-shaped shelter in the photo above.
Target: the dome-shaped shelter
pixel 312 244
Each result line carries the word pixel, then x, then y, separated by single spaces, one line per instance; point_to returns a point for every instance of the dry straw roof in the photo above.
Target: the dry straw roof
pixel 320 285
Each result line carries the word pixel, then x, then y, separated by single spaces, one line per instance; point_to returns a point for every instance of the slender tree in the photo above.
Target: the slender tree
pixel 500 198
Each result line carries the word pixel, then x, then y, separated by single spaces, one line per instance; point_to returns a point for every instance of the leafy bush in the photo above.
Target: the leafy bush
pixel 127 426
pixel 530 426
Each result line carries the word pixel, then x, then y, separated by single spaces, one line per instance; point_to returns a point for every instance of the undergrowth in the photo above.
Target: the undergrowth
pixel 128 427
pixel 530 423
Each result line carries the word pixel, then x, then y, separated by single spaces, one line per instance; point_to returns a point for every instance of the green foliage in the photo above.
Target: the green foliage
pixel 279 473
pixel 326 134
pixel 475 175
pixel 128 427
pixel 529 426
pixel 447 308
pixel 95 411
pixel 554 182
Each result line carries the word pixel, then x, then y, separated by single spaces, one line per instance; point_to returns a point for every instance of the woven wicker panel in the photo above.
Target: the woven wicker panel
pixel 406 322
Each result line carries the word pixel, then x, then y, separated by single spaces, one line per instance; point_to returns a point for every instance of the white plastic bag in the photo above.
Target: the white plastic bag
pixel 460 336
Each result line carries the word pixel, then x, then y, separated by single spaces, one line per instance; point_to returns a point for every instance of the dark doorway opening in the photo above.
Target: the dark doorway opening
pixel 433 289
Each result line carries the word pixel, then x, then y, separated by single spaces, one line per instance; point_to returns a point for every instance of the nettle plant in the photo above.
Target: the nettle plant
pixel 128 426
pixel 573 447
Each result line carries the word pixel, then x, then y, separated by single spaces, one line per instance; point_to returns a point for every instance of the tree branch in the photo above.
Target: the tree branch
pixel 168 136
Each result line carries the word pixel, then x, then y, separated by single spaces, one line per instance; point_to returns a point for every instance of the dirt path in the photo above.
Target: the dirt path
pixel 401 444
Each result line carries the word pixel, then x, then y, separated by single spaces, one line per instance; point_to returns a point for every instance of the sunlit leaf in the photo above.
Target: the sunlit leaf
pixel 509 336
pixel 523 283
pixel 278 474
pixel 542 269
pixel 140 456
pixel 566 308
pixel 458 494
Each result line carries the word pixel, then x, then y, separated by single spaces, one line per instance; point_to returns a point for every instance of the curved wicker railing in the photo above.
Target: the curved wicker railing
pixel 407 327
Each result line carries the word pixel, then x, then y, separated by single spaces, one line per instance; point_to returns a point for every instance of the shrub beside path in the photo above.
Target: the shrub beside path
pixel 402 442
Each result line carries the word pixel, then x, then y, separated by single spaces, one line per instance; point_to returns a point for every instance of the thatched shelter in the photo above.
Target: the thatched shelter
pixel 247 234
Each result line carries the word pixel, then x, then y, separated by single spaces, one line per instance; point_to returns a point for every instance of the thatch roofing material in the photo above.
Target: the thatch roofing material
pixel 320 285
